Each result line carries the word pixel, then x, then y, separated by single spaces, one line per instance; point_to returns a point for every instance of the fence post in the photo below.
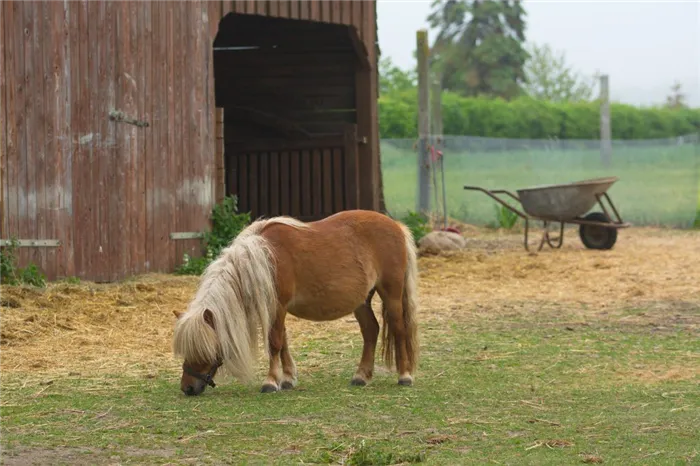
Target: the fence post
pixel 438 141
pixel 423 122
pixel 605 131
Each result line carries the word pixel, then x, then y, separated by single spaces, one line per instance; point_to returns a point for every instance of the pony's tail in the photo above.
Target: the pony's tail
pixel 409 301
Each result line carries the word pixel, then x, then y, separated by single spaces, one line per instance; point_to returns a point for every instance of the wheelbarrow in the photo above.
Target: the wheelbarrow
pixel 566 203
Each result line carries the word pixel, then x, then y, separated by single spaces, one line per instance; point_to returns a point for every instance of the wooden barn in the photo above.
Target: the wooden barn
pixel 124 122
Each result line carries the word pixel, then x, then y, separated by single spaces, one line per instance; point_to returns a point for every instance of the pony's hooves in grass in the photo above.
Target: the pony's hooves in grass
pixel 405 381
pixel 268 388
pixel 287 385
pixel 358 382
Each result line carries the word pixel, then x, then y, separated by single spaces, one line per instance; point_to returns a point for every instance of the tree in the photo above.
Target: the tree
pixel 479 49
pixel 392 78
pixel 549 77
pixel 677 98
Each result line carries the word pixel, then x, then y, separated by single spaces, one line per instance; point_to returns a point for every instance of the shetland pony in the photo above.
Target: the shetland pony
pixel 319 271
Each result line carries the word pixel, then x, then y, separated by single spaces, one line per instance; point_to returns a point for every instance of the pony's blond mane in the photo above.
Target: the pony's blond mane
pixel 239 289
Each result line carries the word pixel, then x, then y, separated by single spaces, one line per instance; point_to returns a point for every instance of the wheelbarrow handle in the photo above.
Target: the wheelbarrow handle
pixel 493 195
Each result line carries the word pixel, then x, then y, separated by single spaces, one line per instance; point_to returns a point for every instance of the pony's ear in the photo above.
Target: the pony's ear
pixel 178 314
pixel 209 318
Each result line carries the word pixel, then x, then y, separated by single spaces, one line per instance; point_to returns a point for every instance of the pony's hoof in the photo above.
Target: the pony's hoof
pixel 358 382
pixel 287 385
pixel 268 388
pixel 405 381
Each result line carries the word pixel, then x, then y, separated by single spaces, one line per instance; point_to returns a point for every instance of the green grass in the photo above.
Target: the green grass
pixel 658 185
pixel 524 389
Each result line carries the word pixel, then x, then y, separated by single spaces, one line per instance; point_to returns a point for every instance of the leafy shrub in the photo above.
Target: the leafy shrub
pixel 418 224
pixel 505 218
pixel 528 118
pixel 10 274
pixel 227 223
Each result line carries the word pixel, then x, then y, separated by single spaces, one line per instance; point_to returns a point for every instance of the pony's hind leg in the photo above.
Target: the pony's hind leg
pixel 395 340
pixel 370 332
pixel 289 368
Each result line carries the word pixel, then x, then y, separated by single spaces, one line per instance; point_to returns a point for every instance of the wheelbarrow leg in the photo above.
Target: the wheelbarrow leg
pixel 557 242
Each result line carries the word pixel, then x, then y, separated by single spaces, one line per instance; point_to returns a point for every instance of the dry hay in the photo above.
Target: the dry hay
pixel 126 328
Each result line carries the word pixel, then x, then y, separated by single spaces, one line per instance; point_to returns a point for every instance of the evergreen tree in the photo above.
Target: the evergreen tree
pixel 480 46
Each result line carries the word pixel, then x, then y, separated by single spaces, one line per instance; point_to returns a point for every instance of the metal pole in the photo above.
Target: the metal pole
pixel 423 122
pixel 605 131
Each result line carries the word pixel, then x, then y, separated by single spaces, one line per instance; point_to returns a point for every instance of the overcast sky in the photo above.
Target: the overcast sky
pixel 644 46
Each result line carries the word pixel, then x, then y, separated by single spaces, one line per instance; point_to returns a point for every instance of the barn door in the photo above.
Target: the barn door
pixel 308 178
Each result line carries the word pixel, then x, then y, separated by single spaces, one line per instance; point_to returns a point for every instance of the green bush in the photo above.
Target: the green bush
pixel 10 274
pixel 227 223
pixel 527 118
pixel 418 224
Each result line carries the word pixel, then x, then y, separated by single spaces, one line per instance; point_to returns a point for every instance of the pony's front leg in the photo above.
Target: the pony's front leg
pixel 289 368
pixel 276 343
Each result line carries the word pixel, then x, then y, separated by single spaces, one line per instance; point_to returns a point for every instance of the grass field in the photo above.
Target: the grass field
pixel 568 357
pixel 658 184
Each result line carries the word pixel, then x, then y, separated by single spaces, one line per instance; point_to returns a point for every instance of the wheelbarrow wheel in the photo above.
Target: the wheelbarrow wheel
pixel 597 237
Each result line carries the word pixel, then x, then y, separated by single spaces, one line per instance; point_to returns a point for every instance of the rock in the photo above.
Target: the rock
pixel 436 242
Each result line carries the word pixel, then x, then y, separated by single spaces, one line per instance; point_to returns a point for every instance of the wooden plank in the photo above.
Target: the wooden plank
pixel 112 167
pixel 356 14
pixel 24 115
pixel 285 178
pixel 88 225
pixel 301 84
pixel 34 158
pixel 251 6
pixel 153 167
pixel 139 49
pixel 71 101
pixel 221 169
pixel 117 177
pixel 336 13
pixel 263 183
pixel 273 8
pixel 285 145
pixel 274 184
pixel 294 70
pixel 149 146
pixel 179 181
pixel 304 9
pixel 254 185
pixel 315 10
pixel 305 182
pixel 346 13
pixel 243 177
pixel 172 127
pixel 317 182
pixel 327 181
pixel 276 57
pixel 352 198
pixel 294 9
pixel 162 210
pixel 338 181
pixel 232 175
pixel 12 102
pixel 261 7
pixel 3 134
pixel 60 224
pixel 295 183
pixel 340 97
pixel 325 7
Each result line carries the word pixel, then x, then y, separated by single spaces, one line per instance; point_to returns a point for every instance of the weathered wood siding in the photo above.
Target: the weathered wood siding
pixel 110 192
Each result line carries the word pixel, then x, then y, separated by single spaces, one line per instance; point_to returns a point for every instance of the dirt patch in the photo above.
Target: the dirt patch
pixel 77 456
pixel 649 279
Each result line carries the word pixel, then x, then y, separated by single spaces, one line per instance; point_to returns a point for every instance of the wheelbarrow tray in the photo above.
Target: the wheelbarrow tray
pixel 563 202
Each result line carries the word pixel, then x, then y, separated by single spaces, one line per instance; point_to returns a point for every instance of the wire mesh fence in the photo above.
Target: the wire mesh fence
pixel 658 179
